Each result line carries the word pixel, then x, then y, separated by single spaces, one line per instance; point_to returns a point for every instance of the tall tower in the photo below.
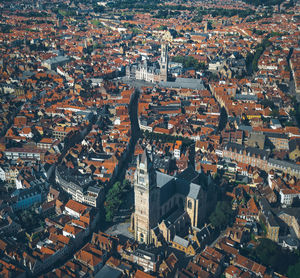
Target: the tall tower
pixel 146 196
pixel 164 62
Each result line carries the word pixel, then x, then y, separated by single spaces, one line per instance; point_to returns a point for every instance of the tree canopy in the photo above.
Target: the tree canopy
pixel 222 215
pixel 189 62
pixel 114 199
pixel 269 253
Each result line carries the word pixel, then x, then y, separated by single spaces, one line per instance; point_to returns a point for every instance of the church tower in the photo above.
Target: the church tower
pixel 164 62
pixel 146 198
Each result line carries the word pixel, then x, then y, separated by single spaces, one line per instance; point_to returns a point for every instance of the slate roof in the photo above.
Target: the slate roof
pixel 250 150
pixel 108 271
pixel 181 241
pixel 187 183
pixel 284 164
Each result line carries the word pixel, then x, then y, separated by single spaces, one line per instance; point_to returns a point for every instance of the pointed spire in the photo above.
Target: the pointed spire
pixel 144 157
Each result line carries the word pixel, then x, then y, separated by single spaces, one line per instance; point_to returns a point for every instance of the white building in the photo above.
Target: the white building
pixel 75 209
pixel 287 196
pixel 2 175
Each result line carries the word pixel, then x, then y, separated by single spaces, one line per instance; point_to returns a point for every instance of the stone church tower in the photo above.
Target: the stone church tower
pixel 164 62
pixel 146 200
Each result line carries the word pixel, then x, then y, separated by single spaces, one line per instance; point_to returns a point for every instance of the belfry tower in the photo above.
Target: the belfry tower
pixel 146 198
pixel 164 62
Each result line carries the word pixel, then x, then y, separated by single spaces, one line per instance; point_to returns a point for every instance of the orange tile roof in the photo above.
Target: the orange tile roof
pixel 77 207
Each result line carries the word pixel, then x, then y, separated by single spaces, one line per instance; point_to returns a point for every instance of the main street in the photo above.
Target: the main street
pixel 120 228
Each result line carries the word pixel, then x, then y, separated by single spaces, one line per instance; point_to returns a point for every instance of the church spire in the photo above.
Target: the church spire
pixel 164 62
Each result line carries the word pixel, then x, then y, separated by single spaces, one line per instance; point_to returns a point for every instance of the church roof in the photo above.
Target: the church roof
pixel 188 183
pixel 162 179
pixel 181 241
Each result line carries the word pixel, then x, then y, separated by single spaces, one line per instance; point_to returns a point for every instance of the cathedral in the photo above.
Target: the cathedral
pixel 148 71
pixel 160 198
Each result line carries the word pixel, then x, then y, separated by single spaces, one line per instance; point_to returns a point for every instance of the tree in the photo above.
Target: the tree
pixel 270 253
pixel 189 62
pixel 294 270
pixel 113 200
pixel 222 215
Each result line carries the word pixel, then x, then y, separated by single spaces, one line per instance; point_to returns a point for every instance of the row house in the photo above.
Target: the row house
pixel 287 196
pixel 291 217
pixel 9 173
pixel 248 155
pixel 25 154
pixel 81 188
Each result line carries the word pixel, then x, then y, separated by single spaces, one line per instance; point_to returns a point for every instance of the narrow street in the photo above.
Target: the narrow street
pixel 120 228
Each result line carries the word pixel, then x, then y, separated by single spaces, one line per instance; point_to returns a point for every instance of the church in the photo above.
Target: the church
pixel 164 199
pixel 150 71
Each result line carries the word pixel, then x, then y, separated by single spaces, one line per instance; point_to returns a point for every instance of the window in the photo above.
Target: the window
pixel 142 172
pixel 190 204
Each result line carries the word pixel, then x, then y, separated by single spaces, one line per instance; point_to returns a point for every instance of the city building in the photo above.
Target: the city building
pixel 81 188
pixel 157 195
pixel 150 71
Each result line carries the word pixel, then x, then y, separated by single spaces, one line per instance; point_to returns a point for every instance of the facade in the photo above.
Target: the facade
pixel 294 148
pixel 291 218
pixel 53 63
pixel 81 188
pixel 248 155
pixel 75 209
pixel 157 196
pixel 184 245
pixel 148 71
pixel 2 174
pixel 25 154
pixel 148 260
pixel 45 143
pixel 287 196
pixel 279 140
pixel 25 198
pixel 177 149
pixel 285 166
pixel 258 158
pixel 269 220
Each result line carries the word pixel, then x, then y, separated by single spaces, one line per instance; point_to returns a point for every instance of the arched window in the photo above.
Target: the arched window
pixel 190 204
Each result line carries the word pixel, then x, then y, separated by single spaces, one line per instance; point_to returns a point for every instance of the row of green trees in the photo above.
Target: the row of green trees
pixel 152 5
pixel 252 59
pixel 134 4
pixel 189 62
pixel 263 2
pixel 222 215
pixel 269 253
pixel 167 138
pixel 226 12
pixel 114 199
